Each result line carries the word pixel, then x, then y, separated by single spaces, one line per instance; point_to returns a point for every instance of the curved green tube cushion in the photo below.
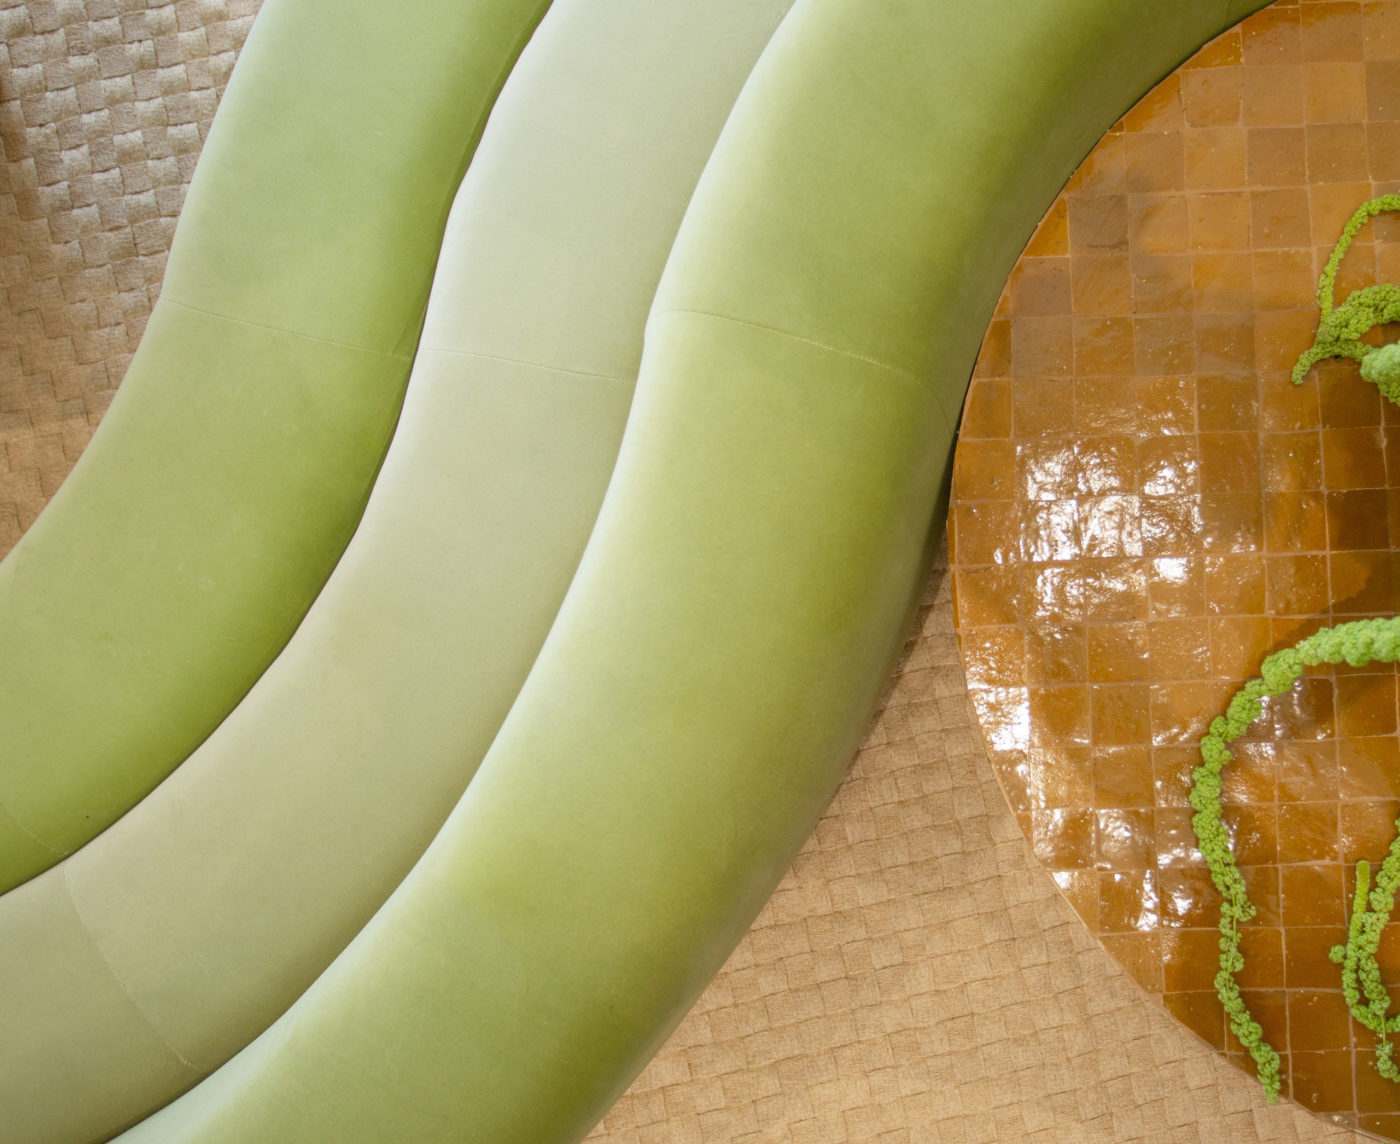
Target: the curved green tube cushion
pixel 157 951
pixel 231 469
pixel 746 588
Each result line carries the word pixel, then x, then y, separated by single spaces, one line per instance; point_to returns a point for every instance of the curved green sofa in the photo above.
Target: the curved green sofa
pixel 745 590
pixel 151 955
pixel 231 469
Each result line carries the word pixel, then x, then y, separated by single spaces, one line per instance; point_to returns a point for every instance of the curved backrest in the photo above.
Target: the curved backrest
pixel 230 471
pixel 744 593
pixel 162 947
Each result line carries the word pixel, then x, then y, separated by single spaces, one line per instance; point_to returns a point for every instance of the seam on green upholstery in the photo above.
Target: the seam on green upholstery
pixel 952 419
pixel 627 381
pixel 283 330
pixel 126 993
pixel 8 813
pixel 904 373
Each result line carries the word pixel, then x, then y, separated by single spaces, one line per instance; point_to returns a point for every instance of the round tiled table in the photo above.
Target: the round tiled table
pixel 1144 507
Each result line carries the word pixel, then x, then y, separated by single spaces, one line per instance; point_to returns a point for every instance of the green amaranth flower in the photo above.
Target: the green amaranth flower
pixel 1339 333
pixel 1356 643
pixel 1340 329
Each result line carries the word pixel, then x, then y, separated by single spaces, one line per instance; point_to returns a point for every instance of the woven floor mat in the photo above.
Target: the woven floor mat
pixel 917 978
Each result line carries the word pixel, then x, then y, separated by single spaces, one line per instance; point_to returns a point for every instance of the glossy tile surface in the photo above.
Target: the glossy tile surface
pixel 1144 507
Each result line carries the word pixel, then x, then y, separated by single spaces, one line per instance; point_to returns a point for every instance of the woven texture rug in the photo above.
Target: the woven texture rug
pixel 917 977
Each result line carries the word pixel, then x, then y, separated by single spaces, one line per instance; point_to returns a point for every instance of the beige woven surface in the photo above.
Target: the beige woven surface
pixel 917 978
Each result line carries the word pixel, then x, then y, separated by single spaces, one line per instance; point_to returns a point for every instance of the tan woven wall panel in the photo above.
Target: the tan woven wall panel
pixel 916 979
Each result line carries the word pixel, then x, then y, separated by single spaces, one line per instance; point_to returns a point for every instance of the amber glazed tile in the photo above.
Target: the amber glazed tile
pixel 1145 507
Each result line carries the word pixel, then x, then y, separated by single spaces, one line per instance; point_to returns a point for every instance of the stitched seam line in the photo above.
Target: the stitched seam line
pixel 422 350
pixel 950 420
pixel 953 417
pixel 904 373
pixel 284 330
pixel 141 1013
pixel 8 813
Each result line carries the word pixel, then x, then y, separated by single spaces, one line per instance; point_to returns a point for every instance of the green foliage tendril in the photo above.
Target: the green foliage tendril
pixel 1361 974
pixel 1340 329
pixel 1356 643
pixel 1339 333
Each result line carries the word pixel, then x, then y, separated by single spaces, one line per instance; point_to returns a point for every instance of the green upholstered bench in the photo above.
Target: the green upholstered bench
pixel 162 947
pixel 231 469
pixel 744 593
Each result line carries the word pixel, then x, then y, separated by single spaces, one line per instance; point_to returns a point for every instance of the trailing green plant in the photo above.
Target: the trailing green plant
pixel 1361 974
pixel 1340 329
pixel 1356 643
pixel 1339 333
